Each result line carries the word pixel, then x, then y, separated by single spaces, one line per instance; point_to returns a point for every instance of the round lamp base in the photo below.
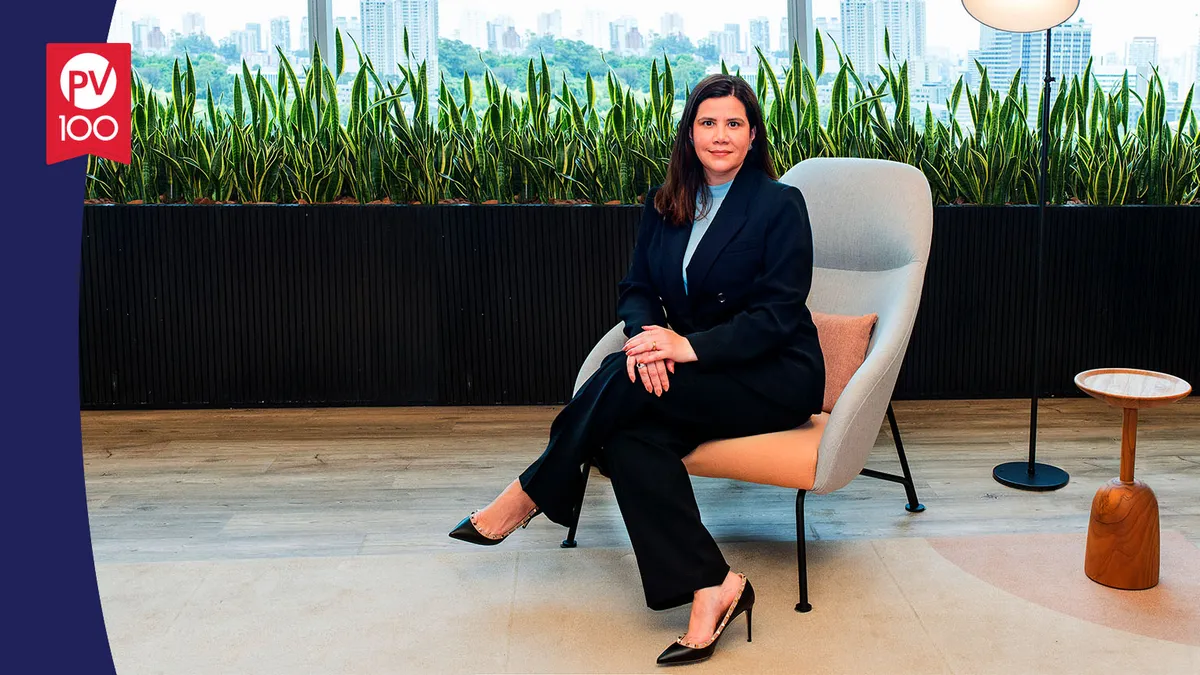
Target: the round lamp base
pixel 1043 479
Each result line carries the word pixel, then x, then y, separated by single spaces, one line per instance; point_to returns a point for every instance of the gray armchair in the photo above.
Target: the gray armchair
pixel 872 221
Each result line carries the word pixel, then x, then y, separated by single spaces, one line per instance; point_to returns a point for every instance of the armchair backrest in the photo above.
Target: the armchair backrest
pixel 872 223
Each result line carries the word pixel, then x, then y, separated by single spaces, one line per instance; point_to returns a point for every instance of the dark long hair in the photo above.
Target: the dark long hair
pixel 676 199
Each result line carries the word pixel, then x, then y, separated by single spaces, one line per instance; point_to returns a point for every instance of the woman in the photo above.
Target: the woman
pixel 720 345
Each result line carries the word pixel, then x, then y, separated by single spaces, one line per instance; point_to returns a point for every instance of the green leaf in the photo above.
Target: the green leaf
pixel 212 109
pixel 819 44
pixel 177 93
pixel 191 77
pixel 339 53
pixel 238 114
pixel 291 74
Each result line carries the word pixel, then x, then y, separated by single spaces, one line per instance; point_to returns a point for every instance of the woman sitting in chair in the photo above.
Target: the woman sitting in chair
pixel 720 345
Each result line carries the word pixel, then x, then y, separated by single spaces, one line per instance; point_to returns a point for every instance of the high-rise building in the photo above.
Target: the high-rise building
pixel 905 23
pixel 1070 50
pixel 550 23
pixel 496 28
pixel 863 23
pixel 672 24
pixel 862 33
pixel 383 23
pixel 785 40
pixel 237 37
pixel 141 31
pixel 1004 53
pixel 253 38
pixel 634 41
pixel 1141 51
pixel 137 38
pixel 733 31
pixel 379 32
pixel 420 17
pixel 281 34
pixel 726 41
pixel 193 23
pixel 510 41
pixel 760 34
pixel 1141 55
pixel 156 42
pixel 618 32
pixel 246 41
pixel 305 44
pixel 995 53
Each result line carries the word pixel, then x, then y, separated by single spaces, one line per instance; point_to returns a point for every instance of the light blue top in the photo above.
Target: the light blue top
pixel 700 226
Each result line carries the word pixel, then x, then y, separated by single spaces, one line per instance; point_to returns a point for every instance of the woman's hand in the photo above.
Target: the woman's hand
pixel 656 343
pixel 654 375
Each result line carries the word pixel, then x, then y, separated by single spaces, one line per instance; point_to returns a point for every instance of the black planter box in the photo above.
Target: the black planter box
pixel 232 306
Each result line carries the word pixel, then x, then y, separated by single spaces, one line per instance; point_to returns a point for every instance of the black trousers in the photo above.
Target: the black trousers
pixel 639 440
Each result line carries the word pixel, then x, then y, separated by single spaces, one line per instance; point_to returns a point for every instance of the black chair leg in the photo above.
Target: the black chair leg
pixel 910 490
pixel 801 557
pixel 570 542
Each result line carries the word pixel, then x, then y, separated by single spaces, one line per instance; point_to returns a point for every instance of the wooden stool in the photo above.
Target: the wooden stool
pixel 1122 541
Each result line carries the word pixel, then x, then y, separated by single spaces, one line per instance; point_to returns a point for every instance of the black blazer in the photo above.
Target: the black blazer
pixel 748 278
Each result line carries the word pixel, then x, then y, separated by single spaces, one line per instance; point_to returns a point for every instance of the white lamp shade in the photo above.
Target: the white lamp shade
pixel 1021 16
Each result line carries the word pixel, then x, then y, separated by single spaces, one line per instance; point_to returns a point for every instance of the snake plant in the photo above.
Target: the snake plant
pixel 293 141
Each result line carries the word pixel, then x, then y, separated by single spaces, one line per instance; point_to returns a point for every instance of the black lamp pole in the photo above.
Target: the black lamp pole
pixel 1031 475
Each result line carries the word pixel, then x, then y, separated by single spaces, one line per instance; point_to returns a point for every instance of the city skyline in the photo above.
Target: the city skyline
pixel 951 31
pixel 860 28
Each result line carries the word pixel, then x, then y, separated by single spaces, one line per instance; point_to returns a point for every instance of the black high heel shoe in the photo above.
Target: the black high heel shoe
pixel 466 530
pixel 681 652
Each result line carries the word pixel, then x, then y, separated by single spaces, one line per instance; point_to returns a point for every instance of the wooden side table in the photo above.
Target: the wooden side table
pixel 1122 541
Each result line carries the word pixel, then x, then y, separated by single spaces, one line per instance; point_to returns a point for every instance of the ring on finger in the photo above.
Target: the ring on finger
pixel 641 366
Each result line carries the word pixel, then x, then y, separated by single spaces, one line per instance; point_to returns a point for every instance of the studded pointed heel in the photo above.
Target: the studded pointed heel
pixel 681 652
pixel 466 530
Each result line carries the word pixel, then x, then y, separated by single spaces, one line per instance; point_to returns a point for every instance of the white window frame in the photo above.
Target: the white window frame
pixel 800 30
pixel 320 27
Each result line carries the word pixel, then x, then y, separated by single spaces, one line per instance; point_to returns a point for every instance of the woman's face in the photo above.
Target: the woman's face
pixel 722 136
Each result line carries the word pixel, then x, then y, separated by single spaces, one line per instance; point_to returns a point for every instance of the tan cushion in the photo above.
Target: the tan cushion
pixel 784 458
pixel 844 341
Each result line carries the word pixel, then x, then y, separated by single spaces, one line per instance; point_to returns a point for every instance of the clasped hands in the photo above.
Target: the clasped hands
pixel 653 353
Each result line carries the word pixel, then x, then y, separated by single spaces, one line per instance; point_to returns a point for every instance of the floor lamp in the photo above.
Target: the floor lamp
pixel 1029 16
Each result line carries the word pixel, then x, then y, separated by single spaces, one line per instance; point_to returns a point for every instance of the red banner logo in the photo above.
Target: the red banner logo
pixel 88 101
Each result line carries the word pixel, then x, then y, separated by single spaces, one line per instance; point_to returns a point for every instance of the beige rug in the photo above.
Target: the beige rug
pixel 998 604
